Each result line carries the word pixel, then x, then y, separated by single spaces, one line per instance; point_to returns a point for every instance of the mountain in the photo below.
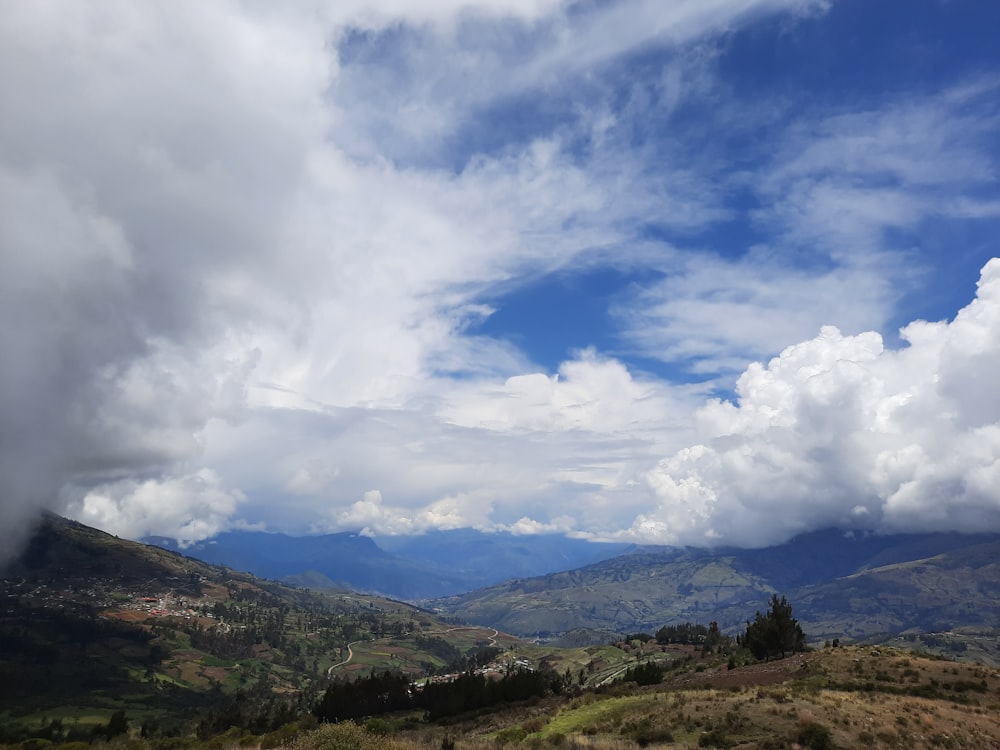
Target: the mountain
pixel 405 567
pixel 488 558
pixel 958 589
pixel 840 585
pixel 340 561
pixel 100 636
pixel 92 625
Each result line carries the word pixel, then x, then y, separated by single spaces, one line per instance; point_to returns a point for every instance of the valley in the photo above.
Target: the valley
pixel 103 637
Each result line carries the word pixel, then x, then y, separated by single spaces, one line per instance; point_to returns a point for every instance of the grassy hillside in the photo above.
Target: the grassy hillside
pixel 831 698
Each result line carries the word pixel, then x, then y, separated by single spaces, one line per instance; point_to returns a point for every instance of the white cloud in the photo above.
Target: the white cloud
pixel 229 244
pixel 187 508
pixel 842 181
pixel 719 314
pixel 837 431
pixel 843 201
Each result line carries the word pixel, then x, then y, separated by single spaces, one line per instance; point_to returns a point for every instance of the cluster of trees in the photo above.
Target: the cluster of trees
pixel 688 634
pixel 392 691
pixel 647 673
pixel 472 691
pixel 771 634
pixel 256 708
pixel 709 637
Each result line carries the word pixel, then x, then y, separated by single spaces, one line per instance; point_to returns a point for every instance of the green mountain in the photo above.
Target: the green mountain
pixel 959 589
pixel 100 636
pixel 842 587
pixel 92 626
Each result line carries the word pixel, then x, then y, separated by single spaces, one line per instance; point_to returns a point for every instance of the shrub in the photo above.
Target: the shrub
pixel 510 736
pixel 652 735
pixel 815 737
pixel 381 727
pixel 343 736
pixel 644 732
pixel 714 738
pixel 533 725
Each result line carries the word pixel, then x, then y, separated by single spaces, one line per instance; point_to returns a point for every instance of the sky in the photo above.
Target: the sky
pixel 702 272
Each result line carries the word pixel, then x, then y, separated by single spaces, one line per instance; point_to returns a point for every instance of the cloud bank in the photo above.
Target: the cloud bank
pixel 247 253
pixel 840 432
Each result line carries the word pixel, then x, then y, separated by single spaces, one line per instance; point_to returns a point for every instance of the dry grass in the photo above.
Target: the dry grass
pixel 861 697
pixel 876 699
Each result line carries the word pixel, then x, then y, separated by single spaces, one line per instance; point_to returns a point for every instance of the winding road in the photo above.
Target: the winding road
pixel 350 649
pixel 350 655
pixel 493 638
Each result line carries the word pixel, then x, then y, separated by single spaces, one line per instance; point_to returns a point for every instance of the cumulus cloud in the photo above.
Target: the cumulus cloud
pixel 187 508
pixel 839 431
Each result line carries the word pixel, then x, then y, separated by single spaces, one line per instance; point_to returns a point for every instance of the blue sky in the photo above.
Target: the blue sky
pixel 661 272
pixel 854 58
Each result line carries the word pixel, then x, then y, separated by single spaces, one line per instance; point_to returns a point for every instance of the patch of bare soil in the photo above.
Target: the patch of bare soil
pixel 766 673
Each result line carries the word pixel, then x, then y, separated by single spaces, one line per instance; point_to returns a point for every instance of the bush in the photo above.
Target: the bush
pixel 714 738
pixel 344 736
pixel 647 734
pixel 815 737
pixel 280 736
pixel 510 736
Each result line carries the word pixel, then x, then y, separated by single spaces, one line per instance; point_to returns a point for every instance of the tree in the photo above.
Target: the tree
pixel 775 634
pixel 714 639
pixel 117 725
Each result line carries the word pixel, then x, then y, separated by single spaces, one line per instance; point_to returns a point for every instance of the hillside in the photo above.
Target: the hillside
pixel 100 635
pixel 954 590
pixel 92 624
pixel 849 697
pixel 841 587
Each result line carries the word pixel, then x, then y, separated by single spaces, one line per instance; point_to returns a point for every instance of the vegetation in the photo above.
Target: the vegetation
pixel 647 673
pixel 775 634
pixel 231 661
pixel 853 590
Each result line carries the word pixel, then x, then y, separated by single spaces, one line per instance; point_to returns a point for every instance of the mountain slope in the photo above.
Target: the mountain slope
pixel 407 567
pixel 346 560
pixel 491 558
pixel 655 586
pixel 91 624
pixel 957 589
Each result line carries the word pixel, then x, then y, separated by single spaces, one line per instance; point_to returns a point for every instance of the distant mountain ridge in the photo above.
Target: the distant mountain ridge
pixel 435 564
pixel 840 585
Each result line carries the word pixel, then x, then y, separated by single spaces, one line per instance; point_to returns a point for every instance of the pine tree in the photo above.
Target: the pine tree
pixel 775 634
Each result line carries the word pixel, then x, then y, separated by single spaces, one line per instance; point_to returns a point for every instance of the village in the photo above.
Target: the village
pixel 96 595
